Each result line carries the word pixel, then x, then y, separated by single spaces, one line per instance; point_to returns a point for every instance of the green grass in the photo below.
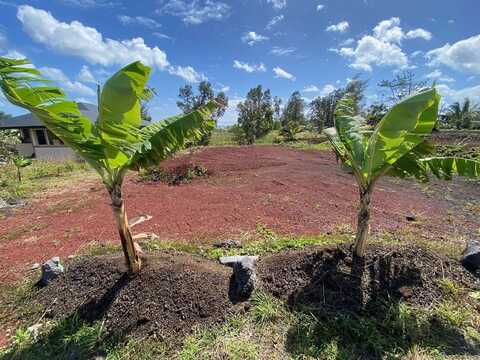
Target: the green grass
pixel 39 176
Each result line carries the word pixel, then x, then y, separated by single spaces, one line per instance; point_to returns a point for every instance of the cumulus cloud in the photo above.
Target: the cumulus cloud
pixel 187 73
pixel 58 76
pixel 452 95
pixel 382 48
pixel 280 73
pixel 462 55
pixel 86 42
pixel 196 12
pixel 278 4
pixel 249 68
pixel 274 21
pixel 341 27
pixel 437 75
pixel 311 89
pixel 327 89
pixel 320 7
pixel 279 51
pixel 139 20
pixel 86 75
pixel 251 38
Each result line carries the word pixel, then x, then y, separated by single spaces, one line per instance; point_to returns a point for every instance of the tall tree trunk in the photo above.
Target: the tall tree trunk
pixel 133 261
pixel 363 225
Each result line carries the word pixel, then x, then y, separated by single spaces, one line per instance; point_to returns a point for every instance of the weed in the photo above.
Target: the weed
pixel 266 309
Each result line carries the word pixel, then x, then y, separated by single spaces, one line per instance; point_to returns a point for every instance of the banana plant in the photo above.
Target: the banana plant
pixel 20 162
pixel 116 142
pixel 396 146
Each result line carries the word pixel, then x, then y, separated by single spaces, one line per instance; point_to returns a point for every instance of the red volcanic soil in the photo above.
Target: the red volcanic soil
pixel 289 191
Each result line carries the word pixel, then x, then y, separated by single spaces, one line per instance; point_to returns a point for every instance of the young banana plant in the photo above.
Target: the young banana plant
pixel 20 162
pixel 396 146
pixel 115 143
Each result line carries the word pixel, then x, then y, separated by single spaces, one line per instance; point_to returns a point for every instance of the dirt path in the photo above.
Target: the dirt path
pixel 289 191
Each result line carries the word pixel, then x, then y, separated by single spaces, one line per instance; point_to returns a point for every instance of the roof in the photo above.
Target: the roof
pixel 29 120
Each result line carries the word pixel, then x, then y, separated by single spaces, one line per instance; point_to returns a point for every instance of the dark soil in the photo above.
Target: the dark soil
pixel 172 294
pixel 323 279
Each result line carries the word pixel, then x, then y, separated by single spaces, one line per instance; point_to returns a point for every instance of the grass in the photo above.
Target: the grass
pixel 38 177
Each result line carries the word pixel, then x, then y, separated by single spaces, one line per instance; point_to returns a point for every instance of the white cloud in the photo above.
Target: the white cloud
pixel 279 51
pixel 389 31
pixel 162 36
pixel 451 21
pixel 89 3
pixel 437 75
pixel 347 42
pixel 382 48
pixel 320 7
pixel 416 54
pixel 250 68
pixel 252 38
pixel 280 73
pixel 311 89
pixel 341 27
pixel 139 20
pixel 86 42
pixel 372 51
pixel 327 89
pixel 196 12
pixel 14 54
pixel 58 76
pixel 274 21
pixel 187 73
pixel 463 55
pixel 85 75
pixel 419 33
pixel 278 4
pixel 451 95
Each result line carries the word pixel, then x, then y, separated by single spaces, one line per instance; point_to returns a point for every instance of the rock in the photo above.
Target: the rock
pixel 70 257
pixel 35 266
pixel 471 256
pixel 138 220
pixel 406 292
pixel 3 204
pixel 228 244
pixel 243 278
pixel 50 270
pixel 411 217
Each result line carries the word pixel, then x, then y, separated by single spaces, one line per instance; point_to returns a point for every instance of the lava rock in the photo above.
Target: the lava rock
pixel 228 244
pixel 411 217
pixel 471 256
pixel 244 277
pixel 50 270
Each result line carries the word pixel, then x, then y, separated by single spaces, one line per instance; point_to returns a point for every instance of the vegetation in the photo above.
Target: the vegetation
pixel 396 146
pixel 190 102
pixel 462 116
pixel 293 117
pixel 115 143
pixel 256 115
pixel 20 162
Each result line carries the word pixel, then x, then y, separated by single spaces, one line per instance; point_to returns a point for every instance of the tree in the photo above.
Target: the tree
pixel 293 117
pixel 189 102
pixel 375 113
pixel 144 110
pixel 396 146
pixel 322 109
pixel 462 116
pixel 255 114
pixel 113 144
pixel 403 84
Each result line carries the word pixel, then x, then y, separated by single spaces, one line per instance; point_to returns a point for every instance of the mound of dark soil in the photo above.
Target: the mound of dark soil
pixel 172 294
pixel 328 280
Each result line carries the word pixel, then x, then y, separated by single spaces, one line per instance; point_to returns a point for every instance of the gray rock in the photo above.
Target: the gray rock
pixel 411 217
pixel 34 330
pixel 471 255
pixel 3 204
pixel 244 276
pixel 50 270
pixel 228 244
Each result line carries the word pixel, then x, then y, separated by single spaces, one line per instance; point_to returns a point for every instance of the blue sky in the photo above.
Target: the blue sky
pixel 285 45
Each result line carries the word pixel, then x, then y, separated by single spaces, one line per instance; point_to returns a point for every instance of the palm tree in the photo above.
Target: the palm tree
pixel 396 146
pixel 462 116
pixel 115 143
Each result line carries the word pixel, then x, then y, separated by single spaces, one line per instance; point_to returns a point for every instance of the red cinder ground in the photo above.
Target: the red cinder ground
pixel 289 191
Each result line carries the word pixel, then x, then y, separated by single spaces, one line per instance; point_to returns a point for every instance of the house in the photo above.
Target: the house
pixel 40 143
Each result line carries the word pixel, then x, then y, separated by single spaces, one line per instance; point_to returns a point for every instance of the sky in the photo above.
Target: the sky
pixel 284 45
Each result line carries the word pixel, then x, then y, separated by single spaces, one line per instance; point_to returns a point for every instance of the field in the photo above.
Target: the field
pixel 272 199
